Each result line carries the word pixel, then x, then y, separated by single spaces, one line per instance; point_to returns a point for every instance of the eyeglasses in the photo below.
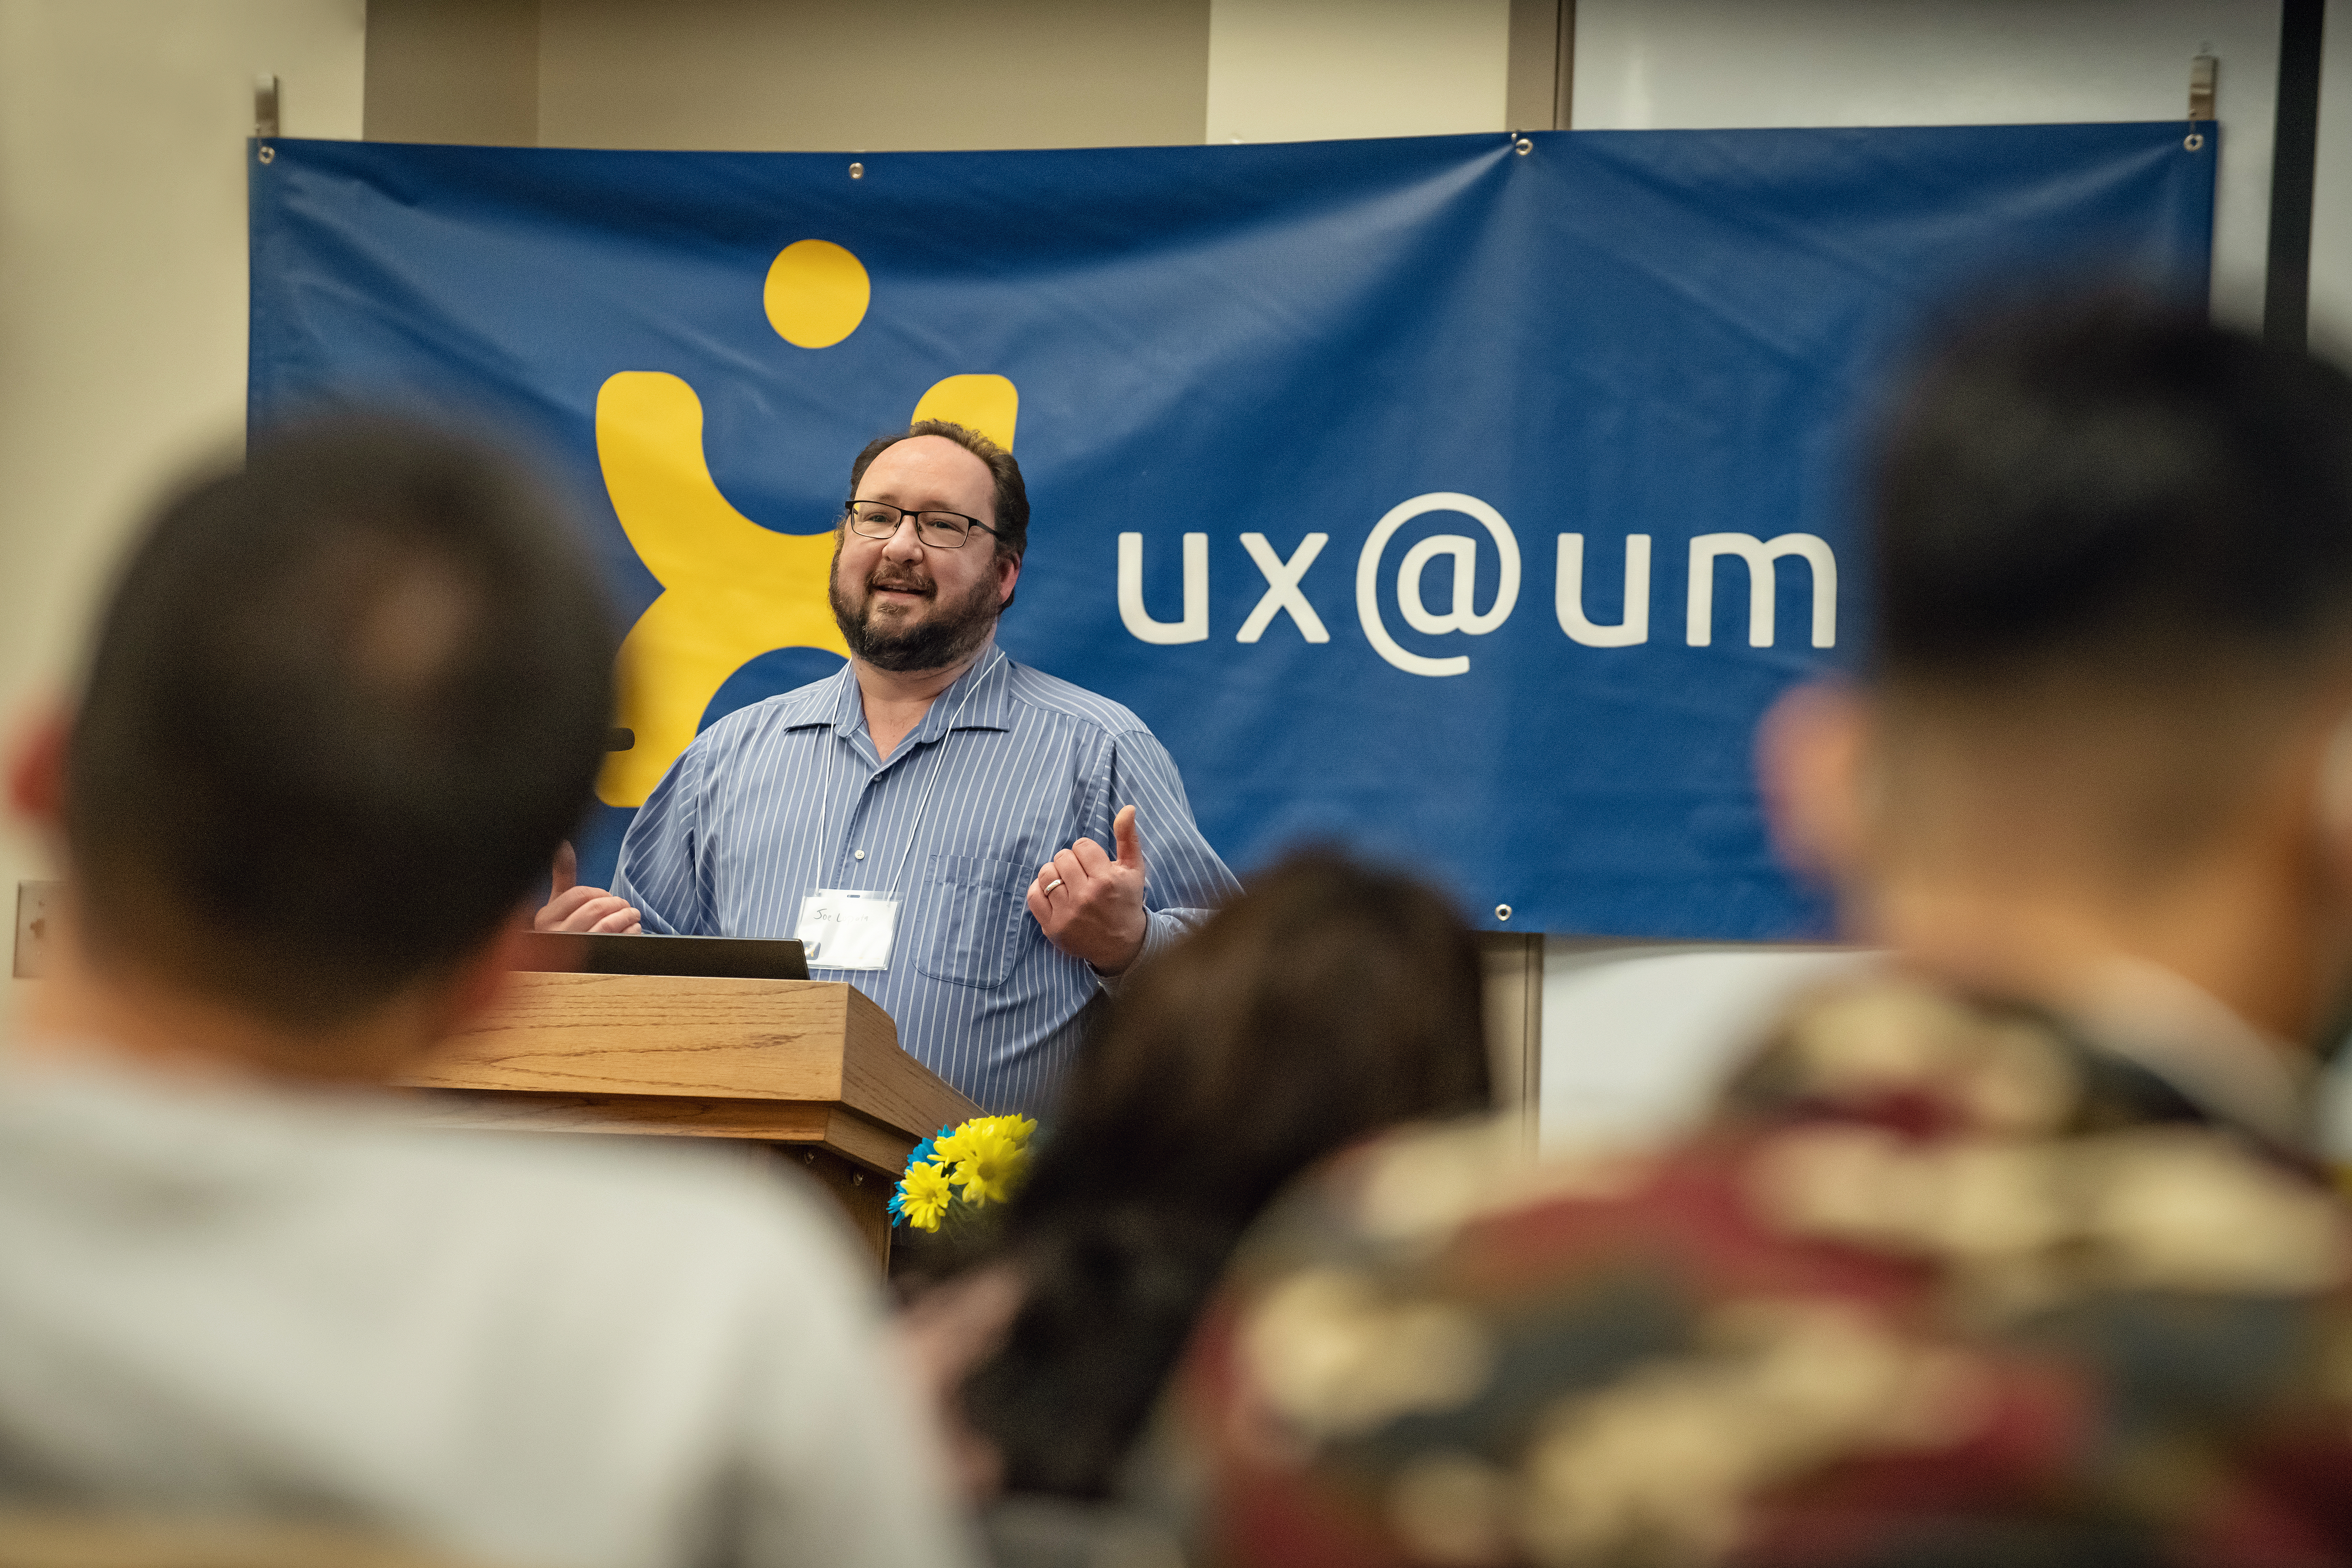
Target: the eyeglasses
pixel 940 529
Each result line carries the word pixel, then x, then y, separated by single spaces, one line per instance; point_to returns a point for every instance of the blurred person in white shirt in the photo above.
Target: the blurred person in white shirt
pixel 343 704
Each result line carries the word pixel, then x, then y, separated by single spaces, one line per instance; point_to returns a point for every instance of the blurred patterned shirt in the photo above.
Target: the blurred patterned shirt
pixel 1009 766
pixel 1944 1280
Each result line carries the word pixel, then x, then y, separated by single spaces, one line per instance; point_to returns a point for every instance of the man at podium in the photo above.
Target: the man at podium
pixel 962 837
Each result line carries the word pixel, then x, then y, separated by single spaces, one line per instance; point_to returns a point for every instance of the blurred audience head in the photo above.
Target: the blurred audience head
pixel 2112 573
pixel 1329 1002
pixel 345 701
pixel 2115 500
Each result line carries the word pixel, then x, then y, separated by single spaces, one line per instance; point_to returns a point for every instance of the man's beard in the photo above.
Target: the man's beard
pixel 945 637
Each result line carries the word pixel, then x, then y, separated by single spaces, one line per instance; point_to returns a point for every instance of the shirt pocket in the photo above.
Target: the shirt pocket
pixel 980 912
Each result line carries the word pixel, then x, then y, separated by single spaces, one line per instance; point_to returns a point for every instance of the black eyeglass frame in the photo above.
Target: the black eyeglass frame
pixel 849 513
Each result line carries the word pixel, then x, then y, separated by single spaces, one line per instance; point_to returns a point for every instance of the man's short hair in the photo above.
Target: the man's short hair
pixel 2113 489
pixel 1012 498
pixel 343 704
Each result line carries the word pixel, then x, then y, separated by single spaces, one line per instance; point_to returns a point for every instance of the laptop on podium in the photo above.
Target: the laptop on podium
pixel 708 957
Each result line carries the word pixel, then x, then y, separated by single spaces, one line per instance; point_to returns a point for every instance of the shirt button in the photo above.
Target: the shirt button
pixel 861 854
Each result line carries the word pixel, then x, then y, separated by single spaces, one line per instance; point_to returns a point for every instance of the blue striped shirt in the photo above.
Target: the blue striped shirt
pixel 786 796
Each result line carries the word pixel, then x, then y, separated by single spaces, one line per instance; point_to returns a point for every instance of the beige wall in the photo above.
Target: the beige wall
pixel 453 70
pixel 1299 70
pixel 846 75
pixel 122 280
pixel 860 75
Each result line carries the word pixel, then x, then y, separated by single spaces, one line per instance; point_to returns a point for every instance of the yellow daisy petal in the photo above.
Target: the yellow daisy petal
pixel 928 1194
pixel 992 1167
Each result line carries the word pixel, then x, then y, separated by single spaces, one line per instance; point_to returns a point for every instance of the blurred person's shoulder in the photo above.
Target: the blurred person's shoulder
pixel 318 1159
pixel 1883 1117
pixel 1404 1196
pixel 1926 1239
pixel 532 1346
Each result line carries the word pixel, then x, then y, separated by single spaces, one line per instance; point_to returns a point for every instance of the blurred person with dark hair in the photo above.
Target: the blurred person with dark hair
pixel 2014 1250
pixel 900 817
pixel 1328 1002
pixel 343 704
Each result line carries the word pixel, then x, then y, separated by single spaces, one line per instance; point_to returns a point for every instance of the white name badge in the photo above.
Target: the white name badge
pixel 842 928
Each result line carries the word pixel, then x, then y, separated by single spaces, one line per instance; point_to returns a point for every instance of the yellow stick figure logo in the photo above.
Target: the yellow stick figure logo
pixel 731 590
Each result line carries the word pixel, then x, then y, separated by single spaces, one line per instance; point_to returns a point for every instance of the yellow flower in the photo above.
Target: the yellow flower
pixel 989 1164
pixel 970 1136
pixel 927 1194
pixel 988 1154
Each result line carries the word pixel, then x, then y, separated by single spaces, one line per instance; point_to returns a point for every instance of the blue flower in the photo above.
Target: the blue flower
pixel 927 1150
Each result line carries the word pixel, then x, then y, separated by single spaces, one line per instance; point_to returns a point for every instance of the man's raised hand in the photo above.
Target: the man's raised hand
pixel 571 907
pixel 1090 905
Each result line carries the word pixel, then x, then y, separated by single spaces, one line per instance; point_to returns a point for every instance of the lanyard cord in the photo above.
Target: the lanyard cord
pixel 938 765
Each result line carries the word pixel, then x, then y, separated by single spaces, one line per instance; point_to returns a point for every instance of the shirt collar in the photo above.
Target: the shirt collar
pixel 979 698
pixel 840 711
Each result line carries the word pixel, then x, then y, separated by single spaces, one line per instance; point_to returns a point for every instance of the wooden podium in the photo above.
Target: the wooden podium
pixel 810 1066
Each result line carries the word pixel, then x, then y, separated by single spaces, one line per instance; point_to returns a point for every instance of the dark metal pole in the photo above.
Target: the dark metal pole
pixel 2295 156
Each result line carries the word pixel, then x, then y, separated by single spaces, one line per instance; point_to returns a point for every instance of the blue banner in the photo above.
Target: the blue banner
pixel 1462 498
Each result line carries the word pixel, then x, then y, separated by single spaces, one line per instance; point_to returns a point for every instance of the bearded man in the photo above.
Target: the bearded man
pixel 958 835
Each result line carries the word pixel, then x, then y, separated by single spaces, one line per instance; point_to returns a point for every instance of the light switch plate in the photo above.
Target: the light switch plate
pixel 35 907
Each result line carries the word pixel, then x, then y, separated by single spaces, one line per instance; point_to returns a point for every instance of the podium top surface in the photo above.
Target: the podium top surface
pixel 812 1042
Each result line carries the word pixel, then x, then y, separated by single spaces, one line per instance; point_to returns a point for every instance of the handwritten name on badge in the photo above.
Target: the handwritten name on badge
pixel 842 927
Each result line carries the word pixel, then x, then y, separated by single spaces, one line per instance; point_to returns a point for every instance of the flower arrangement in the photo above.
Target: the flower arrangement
pixel 966 1166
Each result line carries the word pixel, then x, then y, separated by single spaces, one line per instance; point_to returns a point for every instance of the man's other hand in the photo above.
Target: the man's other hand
pixel 1091 906
pixel 571 907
